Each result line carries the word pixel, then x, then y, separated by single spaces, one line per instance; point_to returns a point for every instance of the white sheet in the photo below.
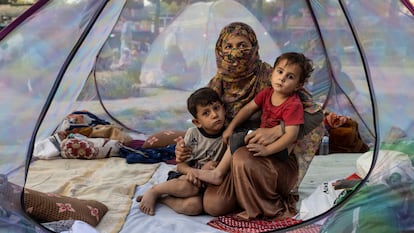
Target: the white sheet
pixel 165 219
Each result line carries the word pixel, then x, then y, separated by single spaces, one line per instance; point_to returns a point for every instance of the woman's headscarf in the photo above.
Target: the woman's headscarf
pixel 240 73
pixel 239 63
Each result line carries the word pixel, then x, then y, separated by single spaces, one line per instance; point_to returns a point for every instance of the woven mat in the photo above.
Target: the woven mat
pixel 230 223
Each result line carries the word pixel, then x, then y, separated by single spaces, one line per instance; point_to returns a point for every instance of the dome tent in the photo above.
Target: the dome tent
pixel 50 53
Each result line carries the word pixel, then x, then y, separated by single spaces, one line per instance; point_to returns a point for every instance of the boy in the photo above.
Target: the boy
pixel 278 103
pixel 183 193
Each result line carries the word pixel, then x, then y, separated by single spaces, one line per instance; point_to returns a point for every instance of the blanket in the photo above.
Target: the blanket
pixel 111 181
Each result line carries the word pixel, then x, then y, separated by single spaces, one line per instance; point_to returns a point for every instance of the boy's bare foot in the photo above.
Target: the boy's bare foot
pixel 209 176
pixel 148 201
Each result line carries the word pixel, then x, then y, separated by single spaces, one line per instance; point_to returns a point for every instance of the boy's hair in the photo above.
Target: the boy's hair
pixel 203 97
pixel 299 59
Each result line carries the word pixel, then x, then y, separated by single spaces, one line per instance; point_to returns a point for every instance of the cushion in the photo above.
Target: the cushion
pixel 89 148
pixel 163 139
pixel 49 207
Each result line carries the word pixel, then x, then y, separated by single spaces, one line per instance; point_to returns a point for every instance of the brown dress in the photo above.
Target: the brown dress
pixel 260 186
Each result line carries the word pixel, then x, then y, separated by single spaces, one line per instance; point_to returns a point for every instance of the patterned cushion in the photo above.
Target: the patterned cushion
pixel 89 148
pixel 49 207
pixel 162 139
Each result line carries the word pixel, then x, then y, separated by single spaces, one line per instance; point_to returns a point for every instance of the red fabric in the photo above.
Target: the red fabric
pixel 135 144
pixel 334 121
pixel 288 111
pixel 353 176
pixel 232 224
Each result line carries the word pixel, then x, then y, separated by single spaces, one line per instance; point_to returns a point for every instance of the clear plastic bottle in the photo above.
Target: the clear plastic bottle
pixel 324 147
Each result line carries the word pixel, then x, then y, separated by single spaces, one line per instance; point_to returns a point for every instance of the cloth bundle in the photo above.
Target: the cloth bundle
pixel 83 135
pixel 344 136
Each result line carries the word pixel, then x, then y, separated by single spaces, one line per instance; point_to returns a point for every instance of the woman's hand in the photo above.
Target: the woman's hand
pixel 258 149
pixel 264 136
pixel 182 152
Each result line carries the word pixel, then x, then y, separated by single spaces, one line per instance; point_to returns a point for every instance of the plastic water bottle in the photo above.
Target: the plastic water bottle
pixel 324 147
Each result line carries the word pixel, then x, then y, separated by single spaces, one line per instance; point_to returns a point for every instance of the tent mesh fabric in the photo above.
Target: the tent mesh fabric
pixel 145 69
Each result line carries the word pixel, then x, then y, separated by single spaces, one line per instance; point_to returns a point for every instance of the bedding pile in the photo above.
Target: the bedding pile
pixel 88 158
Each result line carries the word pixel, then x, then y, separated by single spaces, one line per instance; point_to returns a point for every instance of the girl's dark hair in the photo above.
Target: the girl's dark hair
pixel 203 97
pixel 299 59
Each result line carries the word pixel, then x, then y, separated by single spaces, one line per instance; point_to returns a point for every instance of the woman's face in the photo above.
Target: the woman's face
pixel 235 43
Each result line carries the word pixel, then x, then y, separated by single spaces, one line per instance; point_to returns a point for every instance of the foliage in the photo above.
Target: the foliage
pixel 112 85
pixel 155 121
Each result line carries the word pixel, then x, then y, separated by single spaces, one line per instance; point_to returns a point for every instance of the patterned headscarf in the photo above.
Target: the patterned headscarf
pixel 240 73
pixel 239 63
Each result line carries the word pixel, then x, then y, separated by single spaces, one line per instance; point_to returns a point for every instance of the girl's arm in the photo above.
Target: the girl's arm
pixel 284 142
pixel 243 114
pixel 240 117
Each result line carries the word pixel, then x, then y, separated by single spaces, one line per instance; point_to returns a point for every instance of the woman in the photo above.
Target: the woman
pixel 240 76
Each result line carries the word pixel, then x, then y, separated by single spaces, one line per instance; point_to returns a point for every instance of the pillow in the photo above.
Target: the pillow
pixel 162 139
pixel 89 148
pixel 49 207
